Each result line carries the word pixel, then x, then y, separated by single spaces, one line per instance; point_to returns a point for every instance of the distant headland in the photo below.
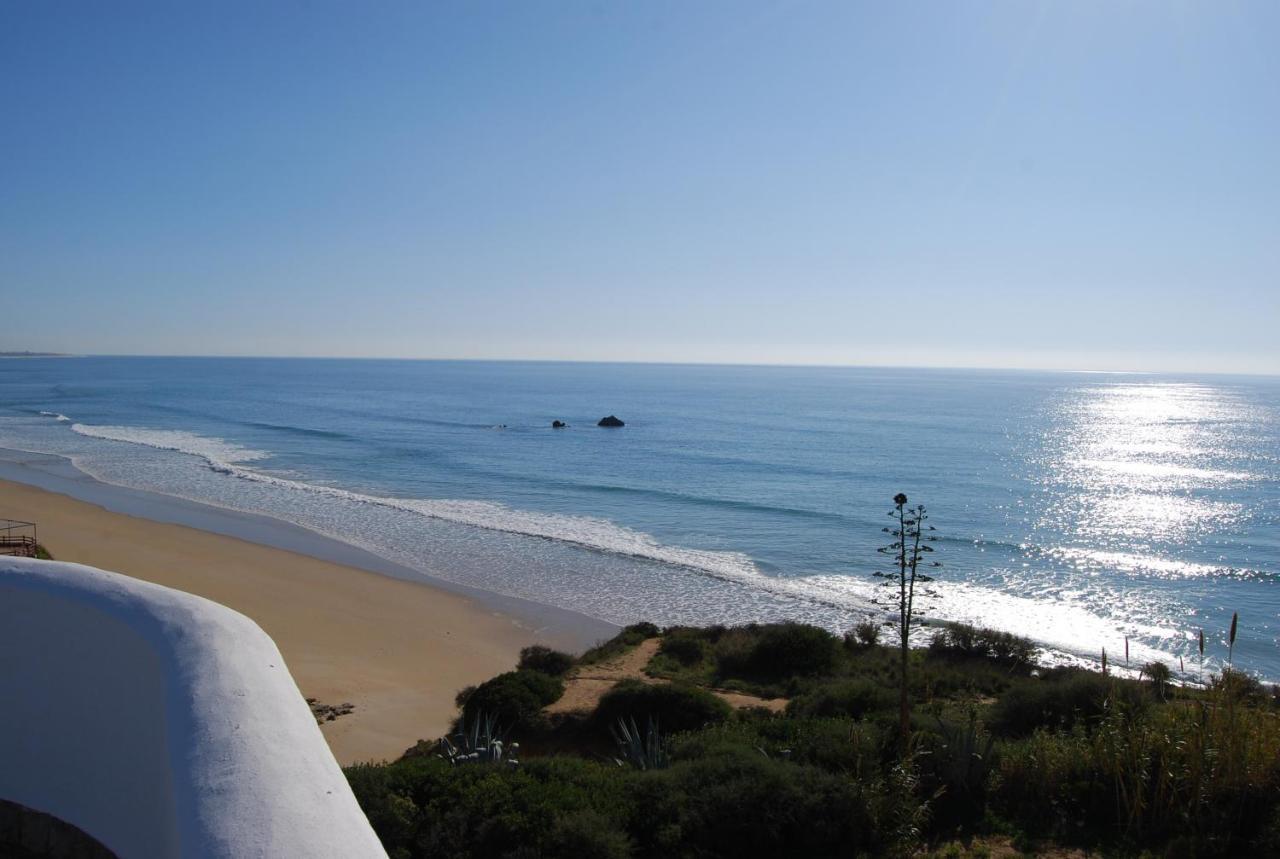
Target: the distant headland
pixel 34 355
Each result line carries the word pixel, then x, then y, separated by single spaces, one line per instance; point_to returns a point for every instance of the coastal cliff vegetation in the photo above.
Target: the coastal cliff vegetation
pixel 784 740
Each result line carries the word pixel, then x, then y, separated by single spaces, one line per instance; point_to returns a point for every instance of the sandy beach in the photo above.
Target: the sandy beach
pixel 397 650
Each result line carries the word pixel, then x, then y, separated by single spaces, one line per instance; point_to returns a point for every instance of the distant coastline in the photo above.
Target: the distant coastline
pixel 35 355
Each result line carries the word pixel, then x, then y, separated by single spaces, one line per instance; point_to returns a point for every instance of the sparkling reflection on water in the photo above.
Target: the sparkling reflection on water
pixel 1145 484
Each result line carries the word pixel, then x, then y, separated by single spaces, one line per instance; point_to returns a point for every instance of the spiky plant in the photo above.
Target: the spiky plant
pixel 647 751
pixel 965 760
pixel 478 741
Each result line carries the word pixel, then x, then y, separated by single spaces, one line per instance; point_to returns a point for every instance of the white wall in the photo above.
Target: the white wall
pixel 160 723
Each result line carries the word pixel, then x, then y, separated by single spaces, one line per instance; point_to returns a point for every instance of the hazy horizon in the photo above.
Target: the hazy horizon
pixel 1009 186
pixel 1066 369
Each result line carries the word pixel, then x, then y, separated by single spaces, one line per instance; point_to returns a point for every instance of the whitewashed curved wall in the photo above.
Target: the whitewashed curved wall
pixel 160 723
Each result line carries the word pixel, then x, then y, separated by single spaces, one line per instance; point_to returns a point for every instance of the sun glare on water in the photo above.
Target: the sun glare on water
pixel 1146 462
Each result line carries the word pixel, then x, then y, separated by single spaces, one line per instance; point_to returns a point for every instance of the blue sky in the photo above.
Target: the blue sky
pixel 1088 185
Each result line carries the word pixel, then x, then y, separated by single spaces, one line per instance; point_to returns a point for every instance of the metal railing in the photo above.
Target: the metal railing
pixel 18 538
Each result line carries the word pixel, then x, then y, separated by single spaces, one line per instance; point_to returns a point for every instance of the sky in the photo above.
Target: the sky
pixel 1075 185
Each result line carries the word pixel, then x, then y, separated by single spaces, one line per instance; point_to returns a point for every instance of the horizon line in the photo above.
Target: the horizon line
pixel 659 363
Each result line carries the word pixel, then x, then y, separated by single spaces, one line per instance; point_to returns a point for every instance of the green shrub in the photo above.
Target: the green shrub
pixel 382 791
pixel 642 631
pixel 426 808
pixel 732 651
pixel 546 660
pixel 1159 675
pixel 1237 685
pixel 736 802
pixel 779 651
pixel 961 639
pixel 1061 700
pixel 741 803
pixel 675 707
pixel 865 634
pixel 464 694
pixel 621 643
pixel 852 698
pixel 854 750
pixel 684 646
pixel 587 834
pixel 515 698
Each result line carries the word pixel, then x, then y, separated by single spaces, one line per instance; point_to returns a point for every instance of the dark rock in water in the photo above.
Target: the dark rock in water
pixel 610 421
pixel 558 424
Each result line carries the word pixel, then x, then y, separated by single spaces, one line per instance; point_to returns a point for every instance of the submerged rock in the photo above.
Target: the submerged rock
pixel 610 421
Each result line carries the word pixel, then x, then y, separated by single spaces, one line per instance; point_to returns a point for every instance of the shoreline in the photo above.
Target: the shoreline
pixel 398 647
pixel 59 474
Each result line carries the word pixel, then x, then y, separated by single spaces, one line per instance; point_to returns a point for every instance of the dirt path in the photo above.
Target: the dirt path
pixel 587 684
pixel 741 701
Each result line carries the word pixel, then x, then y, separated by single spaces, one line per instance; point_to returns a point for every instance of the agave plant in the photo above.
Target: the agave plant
pixel 966 759
pixel 479 742
pixel 647 751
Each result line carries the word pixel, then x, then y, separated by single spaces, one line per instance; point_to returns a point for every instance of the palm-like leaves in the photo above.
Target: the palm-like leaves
pixel 647 751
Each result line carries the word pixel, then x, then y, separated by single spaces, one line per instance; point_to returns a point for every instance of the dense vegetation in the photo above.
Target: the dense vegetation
pixel 1000 749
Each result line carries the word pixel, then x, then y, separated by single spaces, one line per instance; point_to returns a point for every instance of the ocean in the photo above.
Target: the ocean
pixel 1075 508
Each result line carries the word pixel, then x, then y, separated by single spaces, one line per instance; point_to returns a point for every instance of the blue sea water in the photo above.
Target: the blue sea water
pixel 1076 508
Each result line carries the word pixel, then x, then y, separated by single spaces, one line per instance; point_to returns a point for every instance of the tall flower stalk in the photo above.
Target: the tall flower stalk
pixel 910 544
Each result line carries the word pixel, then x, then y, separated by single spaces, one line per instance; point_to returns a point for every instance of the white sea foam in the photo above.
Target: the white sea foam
pixel 216 451
pixel 56 416
pixel 586 531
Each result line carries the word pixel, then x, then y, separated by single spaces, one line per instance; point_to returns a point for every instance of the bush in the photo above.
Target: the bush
pixel 852 698
pixel 620 643
pixel 1061 700
pixel 778 651
pixel 684 646
pixel 865 634
pixel 587 834
pixel 515 698
pixel 547 807
pixel 1160 675
pixel 961 639
pixel 641 631
pixel 733 803
pixel 854 750
pixel 546 660
pixel 674 706
pixel 742 804
pixel 1235 684
pixel 380 789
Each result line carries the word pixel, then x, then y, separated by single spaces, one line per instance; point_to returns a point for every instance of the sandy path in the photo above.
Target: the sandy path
pixel 587 685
